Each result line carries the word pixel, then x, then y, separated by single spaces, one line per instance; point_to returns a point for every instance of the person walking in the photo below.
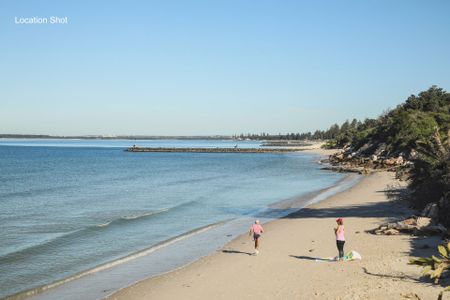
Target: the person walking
pixel 256 230
pixel 340 237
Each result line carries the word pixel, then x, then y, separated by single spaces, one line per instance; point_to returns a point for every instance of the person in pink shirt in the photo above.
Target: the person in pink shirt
pixel 340 237
pixel 256 230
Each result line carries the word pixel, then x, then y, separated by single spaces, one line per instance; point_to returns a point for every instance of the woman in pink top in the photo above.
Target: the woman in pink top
pixel 340 238
pixel 256 230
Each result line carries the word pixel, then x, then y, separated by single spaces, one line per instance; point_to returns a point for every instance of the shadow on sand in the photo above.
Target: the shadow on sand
pixel 312 258
pixel 401 277
pixel 236 252
pixel 388 210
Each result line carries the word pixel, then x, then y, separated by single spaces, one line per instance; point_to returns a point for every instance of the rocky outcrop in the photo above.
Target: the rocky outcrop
pixel 425 224
pixel 346 159
pixel 349 169
pixel 414 225
pixel 438 210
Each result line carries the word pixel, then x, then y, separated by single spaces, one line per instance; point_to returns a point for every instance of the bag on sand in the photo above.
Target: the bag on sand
pixel 352 255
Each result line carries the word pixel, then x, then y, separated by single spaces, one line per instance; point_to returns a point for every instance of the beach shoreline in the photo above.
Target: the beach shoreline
pixel 287 266
pixel 104 273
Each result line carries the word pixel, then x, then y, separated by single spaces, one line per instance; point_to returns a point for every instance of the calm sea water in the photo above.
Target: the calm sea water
pixel 69 205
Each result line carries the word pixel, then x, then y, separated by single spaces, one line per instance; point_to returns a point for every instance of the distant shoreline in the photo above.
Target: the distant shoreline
pixel 119 137
pixel 274 140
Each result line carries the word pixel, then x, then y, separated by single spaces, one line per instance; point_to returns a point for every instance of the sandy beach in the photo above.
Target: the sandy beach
pixel 287 268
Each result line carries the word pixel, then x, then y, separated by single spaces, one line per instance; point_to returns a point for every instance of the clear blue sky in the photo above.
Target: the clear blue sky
pixel 214 67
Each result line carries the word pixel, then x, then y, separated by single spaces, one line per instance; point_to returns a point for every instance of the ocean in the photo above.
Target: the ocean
pixel 70 206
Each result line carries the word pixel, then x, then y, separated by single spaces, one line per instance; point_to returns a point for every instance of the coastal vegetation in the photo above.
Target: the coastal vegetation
pixel 433 266
pixel 430 177
pixel 414 138
pixel 400 129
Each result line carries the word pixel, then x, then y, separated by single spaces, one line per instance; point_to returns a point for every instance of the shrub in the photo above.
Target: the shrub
pixel 433 266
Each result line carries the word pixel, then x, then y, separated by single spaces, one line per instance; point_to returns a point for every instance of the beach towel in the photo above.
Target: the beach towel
pixel 352 255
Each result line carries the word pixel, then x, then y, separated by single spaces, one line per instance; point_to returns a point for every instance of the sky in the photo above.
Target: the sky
pixel 214 67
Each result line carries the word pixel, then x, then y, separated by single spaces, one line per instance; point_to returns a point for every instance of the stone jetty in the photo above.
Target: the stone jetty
pixel 211 150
